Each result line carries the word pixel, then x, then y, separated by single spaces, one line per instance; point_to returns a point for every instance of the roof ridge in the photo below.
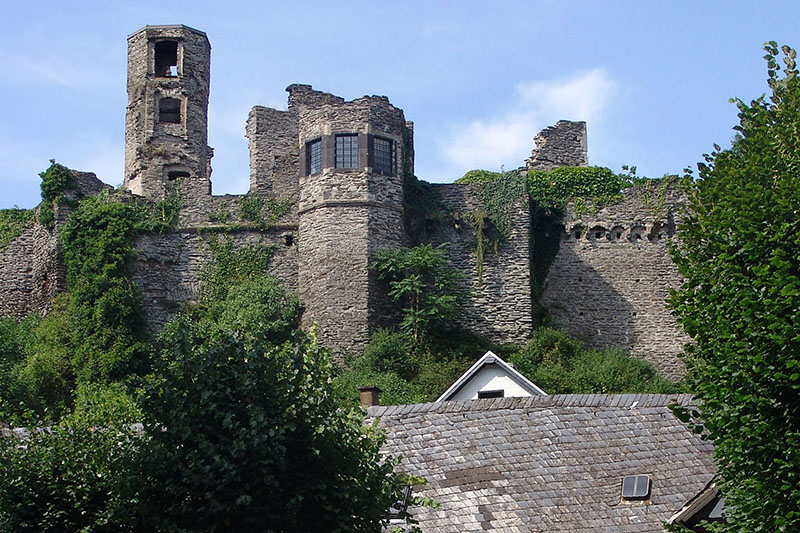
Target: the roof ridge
pixel 619 401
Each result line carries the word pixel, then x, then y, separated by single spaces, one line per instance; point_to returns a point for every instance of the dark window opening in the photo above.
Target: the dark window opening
pixel 491 394
pixel 314 156
pixel 167 59
pixel 169 111
pixel 635 487
pixel 288 240
pixel 346 151
pixel 384 156
pixel 172 175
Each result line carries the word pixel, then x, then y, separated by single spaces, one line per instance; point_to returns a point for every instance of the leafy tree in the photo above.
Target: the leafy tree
pixel 420 277
pixel 247 436
pixel 65 478
pixel 740 255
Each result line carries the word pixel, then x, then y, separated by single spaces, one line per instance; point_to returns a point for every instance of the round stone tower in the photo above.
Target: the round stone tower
pixel 167 119
pixel 351 206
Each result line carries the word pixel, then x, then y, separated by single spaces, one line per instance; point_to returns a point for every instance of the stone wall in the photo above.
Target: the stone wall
pixel 561 145
pixel 346 215
pixel 610 279
pixel 499 305
pixel 168 267
pixel 32 269
pixel 274 152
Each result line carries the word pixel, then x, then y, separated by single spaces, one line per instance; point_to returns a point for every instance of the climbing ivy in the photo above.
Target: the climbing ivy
pixel 553 189
pixel 55 180
pixel 12 223
pixel 263 211
pixel 231 265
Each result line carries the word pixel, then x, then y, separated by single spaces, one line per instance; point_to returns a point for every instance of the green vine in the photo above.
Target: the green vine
pixel 12 224
pixel 652 193
pixel 263 211
pixel 55 180
pixel 231 265
pixel 158 217
pixel 422 202
pixel 475 218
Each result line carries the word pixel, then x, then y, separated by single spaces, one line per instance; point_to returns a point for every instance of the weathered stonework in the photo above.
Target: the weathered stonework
pixel 607 286
pixel 561 145
pixel 166 123
pixel 609 283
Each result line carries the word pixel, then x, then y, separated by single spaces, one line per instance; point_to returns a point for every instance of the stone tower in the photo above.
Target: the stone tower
pixel 167 117
pixel 350 206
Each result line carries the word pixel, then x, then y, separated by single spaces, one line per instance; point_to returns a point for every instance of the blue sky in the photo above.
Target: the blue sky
pixel 479 79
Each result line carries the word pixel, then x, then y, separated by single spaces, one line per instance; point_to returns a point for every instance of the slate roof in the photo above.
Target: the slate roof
pixel 547 463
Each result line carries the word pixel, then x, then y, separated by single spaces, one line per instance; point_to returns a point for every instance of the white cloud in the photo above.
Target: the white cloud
pixel 507 139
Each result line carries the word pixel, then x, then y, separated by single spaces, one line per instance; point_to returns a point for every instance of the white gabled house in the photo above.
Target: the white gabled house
pixel 490 377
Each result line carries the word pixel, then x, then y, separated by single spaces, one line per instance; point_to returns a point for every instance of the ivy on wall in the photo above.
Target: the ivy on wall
pixel 12 223
pixel 263 211
pixel 55 180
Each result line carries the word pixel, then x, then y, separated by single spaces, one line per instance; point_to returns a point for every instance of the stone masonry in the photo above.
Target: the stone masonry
pixel 340 166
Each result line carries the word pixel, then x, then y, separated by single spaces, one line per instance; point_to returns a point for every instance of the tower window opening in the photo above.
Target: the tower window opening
pixel 169 111
pixel 346 151
pixel 384 156
pixel 173 175
pixel 314 156
pixel 166 59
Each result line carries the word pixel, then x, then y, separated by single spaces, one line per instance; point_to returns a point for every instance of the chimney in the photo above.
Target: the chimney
pixel 369 395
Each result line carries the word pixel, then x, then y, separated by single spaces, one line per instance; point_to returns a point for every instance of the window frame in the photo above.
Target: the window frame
pixel 350 159
pixel 311 146
pixel 389 170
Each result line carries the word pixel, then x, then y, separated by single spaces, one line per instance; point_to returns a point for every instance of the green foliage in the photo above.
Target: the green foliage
pixel 388 351
pixel 554 188
pixel 106 337
pixel 55 180
pixel 231 265
pixel 479 176
pixel 256 311
pixel 249 437
pixel 420 277
pixel 12 223
pixel 741 305
pixel 158 217
pixel 16 345
pixel 394 389
pixel 64 479
pixel 560 364
pixel 263 211
pixel 422 205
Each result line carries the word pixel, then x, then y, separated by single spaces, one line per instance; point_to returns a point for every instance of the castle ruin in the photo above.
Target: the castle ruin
pixel 340 166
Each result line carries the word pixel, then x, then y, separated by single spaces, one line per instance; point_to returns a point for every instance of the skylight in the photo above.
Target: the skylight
pixel 635 487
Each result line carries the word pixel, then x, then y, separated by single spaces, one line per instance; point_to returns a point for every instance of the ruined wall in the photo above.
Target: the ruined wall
pixel 561 145
pixel 168 268
pixel 32 270
pixel 610 279
pixel 274 153
pixel 499 305
pixel 160 149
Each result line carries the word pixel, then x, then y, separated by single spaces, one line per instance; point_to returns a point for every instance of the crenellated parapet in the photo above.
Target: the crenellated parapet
pixel 609 282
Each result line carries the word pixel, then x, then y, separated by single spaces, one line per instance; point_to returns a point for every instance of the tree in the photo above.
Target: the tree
pixel 421 278
pixel 244 433
pixel 740 255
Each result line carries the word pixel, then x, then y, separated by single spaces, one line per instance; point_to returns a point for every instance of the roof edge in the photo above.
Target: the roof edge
pixel 616 401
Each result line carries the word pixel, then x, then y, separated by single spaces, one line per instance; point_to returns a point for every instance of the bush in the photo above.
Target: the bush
pixel 560 364
pixel 389 351
pixel 64 479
